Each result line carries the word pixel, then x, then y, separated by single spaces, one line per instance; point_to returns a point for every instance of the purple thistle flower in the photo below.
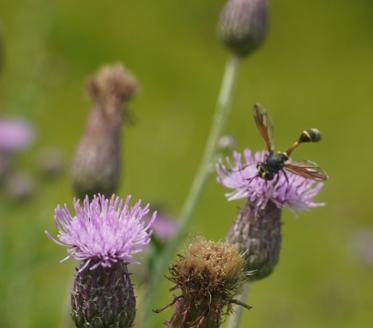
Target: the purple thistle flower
pixel 294 192
pixel 15 134
pixel 164 227
pixel 102 231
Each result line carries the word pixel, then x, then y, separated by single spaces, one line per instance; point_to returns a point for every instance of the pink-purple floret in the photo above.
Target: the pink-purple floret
pixel 15 134
pixel 296 193
pixel 103 231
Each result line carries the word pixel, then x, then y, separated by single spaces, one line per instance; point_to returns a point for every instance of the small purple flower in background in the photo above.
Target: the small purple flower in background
pixel 164 227
pixel 104 235
pixel 15 134
pixel 257 229
pixel 295 192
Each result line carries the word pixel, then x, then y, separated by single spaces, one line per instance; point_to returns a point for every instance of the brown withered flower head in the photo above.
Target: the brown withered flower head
pixel 209 275
pixel 96 167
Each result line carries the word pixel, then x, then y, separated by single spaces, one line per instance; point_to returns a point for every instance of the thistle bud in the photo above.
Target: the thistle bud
pixel 103 297
pixel 226 144
pixel 208 276
pixel 243 25
pixel 258 236
pixel 96 167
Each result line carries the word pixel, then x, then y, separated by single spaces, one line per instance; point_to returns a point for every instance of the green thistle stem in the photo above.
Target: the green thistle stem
pixel 235 318
pixel 220 117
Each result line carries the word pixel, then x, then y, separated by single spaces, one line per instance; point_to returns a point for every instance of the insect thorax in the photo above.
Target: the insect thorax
pixel 272 165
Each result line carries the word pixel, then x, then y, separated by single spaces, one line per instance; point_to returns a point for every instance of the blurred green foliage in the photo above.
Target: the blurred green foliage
pixel 315 70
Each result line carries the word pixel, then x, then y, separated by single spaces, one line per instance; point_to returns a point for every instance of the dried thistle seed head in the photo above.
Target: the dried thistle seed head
pixel 209 275
pixel 96 167
pixel 258 237
pixel 112 85
pixel 220 261
pixel 243 25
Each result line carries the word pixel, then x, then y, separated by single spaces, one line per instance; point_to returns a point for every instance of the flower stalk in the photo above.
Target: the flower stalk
pixel 235 317
pixel 220 117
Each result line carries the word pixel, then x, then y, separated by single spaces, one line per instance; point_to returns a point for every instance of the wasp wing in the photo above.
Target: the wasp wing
pixel 306 169
pixel 264 124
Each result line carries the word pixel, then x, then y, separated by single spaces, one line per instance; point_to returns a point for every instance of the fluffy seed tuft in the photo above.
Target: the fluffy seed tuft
pixel 209 276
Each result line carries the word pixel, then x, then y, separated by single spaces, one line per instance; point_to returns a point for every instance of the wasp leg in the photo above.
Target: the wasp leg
pixel 241 169
pixel 277 179
pixel 287 181
pixel 252 178
pixel 286 176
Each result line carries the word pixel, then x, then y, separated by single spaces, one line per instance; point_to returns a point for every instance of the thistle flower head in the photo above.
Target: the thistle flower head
pixel 209 275
pixel 292 191
pixel 15 134
pixel 103 231
pixel 243 25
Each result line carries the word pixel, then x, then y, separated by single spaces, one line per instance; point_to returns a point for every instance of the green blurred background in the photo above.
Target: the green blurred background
pixel 315 70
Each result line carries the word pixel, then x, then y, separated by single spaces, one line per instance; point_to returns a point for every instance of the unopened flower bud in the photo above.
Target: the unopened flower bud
pixel 208 276
pixel 258 236
pixel 243 25
pixel 96 168
pixel 226 144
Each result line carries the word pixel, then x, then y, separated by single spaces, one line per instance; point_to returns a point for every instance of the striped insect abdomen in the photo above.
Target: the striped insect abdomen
pixel 310 135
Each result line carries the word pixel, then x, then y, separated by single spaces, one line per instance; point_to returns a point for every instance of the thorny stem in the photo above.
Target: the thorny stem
pixel 220 117
pixel 235 318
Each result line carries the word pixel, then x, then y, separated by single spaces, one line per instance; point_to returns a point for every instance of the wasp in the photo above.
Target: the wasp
pixel 276 161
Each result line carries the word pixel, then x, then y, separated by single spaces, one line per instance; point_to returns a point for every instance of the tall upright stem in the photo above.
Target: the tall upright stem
pixel 220 117
pixel 235 318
